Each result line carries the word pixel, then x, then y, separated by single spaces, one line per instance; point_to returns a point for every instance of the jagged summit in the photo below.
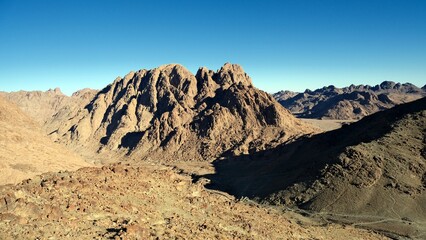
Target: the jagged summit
pixel 56 90
pixel 233 73
pixel 169 113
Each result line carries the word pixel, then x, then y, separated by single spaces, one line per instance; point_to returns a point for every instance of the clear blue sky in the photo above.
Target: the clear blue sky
pixel 293 45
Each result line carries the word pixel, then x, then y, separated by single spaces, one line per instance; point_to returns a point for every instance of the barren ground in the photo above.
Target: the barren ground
pixel 145 202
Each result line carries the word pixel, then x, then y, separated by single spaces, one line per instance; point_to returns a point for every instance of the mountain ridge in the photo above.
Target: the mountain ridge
pixel 49 108
pixel 352 102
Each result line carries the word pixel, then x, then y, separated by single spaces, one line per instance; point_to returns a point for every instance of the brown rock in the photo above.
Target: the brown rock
pixel 169 114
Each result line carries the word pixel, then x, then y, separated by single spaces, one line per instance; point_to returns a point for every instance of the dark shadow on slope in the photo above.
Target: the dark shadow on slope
pixel 115 121
pixel 265 172
pixel 131 140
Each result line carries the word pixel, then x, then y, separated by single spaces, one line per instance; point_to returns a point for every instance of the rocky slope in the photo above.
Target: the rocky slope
pixel 169 114
pixel 144 202
pixel 371 172
pixel 49 108
pixel 25 151
pixel 353 102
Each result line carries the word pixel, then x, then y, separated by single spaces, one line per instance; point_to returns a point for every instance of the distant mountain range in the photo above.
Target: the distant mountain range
pixel 49 108
pixel 353 102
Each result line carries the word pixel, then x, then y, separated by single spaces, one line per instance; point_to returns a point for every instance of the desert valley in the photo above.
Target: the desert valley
pixel 164 153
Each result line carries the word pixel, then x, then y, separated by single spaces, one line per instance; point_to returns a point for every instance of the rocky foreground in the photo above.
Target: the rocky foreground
pixel 143 202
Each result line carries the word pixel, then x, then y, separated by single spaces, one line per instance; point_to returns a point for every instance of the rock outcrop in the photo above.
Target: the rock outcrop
pixel 353 102
pixel 168 113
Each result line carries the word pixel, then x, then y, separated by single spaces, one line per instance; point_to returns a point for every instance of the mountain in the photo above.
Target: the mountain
pixel 284 95
pixel 353 102
pixel 370 173
pixel 25 151
pixel 168 113
pixel 51 107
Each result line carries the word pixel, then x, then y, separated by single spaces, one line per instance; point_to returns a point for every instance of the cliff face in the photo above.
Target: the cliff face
pixel 169 113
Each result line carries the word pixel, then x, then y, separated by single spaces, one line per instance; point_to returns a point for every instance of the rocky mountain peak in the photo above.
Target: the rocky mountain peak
pixel 56 91
pixel 160 112
pixel 284 95
pixel 387 85
pixel 232 73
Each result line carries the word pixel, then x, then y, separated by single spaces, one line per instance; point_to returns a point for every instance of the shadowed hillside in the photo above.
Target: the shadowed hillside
pixel 374 168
